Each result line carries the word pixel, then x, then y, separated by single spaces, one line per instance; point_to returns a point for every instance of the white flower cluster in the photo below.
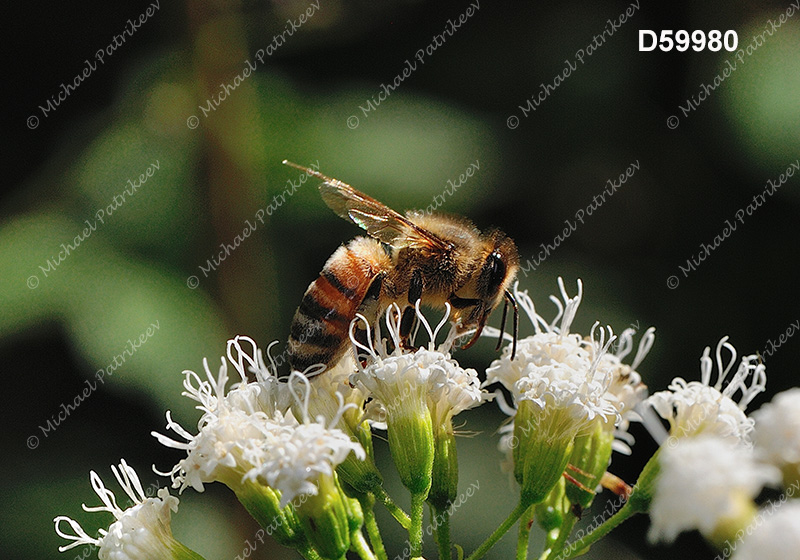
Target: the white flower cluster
pixel 701 483
pixel 717 460
pixel 247 433
pixel 140 532
pixel 429 376
pixel 574 398
pixel 696 407
pixel 556 369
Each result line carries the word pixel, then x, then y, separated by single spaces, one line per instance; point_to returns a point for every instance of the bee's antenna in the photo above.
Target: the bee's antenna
pixel 502 326
pixel 510 299
pixel 310 171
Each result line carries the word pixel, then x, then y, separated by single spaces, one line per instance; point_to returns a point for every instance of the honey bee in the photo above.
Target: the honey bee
pixel 433 258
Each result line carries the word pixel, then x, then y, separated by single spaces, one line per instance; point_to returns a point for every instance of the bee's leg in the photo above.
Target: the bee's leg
pixel 461 303
pixel 409 317
pixel 475 318
pixel 369 308
pixel 407 321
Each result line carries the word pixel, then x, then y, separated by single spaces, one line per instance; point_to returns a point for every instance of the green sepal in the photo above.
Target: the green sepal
pixel 444 478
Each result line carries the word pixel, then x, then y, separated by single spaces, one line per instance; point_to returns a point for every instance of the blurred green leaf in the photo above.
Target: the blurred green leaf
pixel 105 299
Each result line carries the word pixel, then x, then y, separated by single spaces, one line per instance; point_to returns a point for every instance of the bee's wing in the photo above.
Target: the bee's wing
pixel 379 221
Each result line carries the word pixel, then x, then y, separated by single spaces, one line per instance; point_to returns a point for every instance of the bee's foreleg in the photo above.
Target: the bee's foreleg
pixel 407 325
pixel 415 287
pixel 475 318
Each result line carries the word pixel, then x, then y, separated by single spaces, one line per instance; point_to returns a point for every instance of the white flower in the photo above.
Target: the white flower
pixel 559 391
pixel 400 380
pixel 550 344
pixel 626 390
pixel 294 456
pixel 230 431
pixel 328 396
pixel 775 536
pixel 452 388
pixel 558 370
pixel 702 483
pixel 246 434
pixel 580 393
pixel 326 391
pixel 141 531
pixel 777 430
pixel 271 394
pixel 697 406
pixel 566 386
pixel 417 393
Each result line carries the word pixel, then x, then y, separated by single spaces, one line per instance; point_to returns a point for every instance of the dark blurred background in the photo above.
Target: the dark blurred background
pixel 141 264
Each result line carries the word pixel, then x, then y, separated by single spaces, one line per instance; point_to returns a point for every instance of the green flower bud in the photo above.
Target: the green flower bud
pixel 410 434
pixel 544 449
pixel 591 455
pixel 642 493
pixel 355 514
pixel 362 475
pixel 444 484
pixel 363 434
pixel 550 512
pixel 325 520
pixel 263 503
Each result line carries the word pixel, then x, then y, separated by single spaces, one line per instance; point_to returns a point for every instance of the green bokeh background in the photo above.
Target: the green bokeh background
pixel 452 111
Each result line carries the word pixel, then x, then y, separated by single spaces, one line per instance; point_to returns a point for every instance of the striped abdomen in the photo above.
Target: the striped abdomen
pixel 320 328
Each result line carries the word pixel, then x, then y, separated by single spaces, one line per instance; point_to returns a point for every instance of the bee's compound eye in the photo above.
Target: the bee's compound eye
pixel 497 271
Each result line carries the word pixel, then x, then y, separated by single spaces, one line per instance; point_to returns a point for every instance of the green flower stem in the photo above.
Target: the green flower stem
pixel 371 525
pixel 581 546
pixel 551 552
pixel 263 505
pixel 442 532
pixel 359 545
pixel 638 502
pixel 500 531
pixel 179 551
pixel 307 552
pixel 415 531
pixel 402 517
pixel 525 524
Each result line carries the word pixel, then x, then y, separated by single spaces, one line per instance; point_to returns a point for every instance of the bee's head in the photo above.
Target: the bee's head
pixel 499 268
pixel 493 279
